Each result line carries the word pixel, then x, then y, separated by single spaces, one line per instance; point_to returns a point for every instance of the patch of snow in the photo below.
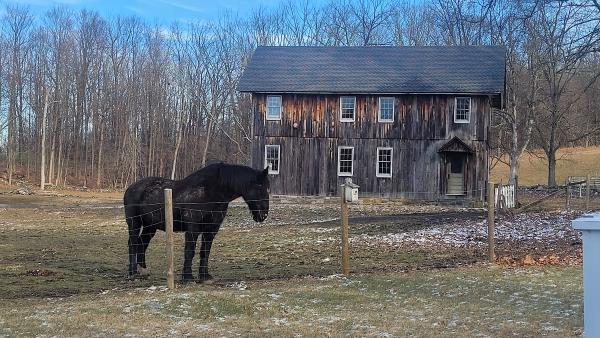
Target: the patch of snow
pixel 526 226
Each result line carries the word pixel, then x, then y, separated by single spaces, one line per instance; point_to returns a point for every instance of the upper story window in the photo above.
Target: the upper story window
pixel 273 107
pixel 384 162
pixel 272 158
pixel 345 161
pixel 386 109
pixel 347 108
pixel 462 110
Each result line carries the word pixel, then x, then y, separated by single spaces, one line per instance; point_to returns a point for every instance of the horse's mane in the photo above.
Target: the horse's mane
pixel 236 177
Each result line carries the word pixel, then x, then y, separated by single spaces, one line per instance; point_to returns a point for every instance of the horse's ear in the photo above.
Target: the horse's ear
pixel 264 175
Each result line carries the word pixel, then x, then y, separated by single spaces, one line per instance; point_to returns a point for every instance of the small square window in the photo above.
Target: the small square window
pixel 386 109
pixel 384 162
pixel 272 158
pixel 345 161
pixel 462 110
pixel 273 107
pixel 347 107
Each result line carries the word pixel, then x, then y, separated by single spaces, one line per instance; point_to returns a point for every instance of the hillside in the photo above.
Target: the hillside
pixel 534 170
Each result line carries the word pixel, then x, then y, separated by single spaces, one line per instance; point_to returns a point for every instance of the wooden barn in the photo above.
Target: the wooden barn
pixel 408 122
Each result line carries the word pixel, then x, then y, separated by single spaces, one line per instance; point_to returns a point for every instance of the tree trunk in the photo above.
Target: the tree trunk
pixel 513 170
pixel 43 151
pixel 59 160
pixel 552 168
pixel 208 135
pixel 177 144
pixel 51 166
pixel 99 168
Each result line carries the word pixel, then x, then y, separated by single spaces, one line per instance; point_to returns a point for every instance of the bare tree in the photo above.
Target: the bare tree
pixel 564 54
pixel 108 100
pixel 18 22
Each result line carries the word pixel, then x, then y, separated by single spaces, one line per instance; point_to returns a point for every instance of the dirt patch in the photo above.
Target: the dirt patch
pixel 69 248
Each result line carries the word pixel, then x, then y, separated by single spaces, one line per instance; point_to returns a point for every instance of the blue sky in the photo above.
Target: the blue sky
pixel 161 11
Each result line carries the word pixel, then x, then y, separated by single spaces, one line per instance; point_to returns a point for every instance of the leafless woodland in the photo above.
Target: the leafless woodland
pixel 102 101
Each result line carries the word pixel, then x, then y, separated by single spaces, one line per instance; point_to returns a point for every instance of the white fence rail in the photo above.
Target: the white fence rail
pixel 505 197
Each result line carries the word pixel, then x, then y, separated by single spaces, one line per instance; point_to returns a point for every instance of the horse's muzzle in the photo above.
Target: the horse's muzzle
pixel 260 216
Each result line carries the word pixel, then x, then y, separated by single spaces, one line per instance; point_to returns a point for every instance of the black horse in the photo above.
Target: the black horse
pixel 200 202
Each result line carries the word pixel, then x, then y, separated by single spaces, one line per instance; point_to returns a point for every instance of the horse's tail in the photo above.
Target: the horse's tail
pixel 134 227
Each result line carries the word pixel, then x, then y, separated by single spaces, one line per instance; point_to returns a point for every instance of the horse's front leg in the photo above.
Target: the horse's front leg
pixel 207 239
pixel 189 251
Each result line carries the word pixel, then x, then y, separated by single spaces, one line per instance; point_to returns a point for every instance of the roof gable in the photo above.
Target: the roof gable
pixel 448 69
pixel 456 145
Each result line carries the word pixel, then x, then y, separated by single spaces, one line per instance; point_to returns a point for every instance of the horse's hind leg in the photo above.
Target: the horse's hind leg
pixel 207 239
pixel 145 238
pixel 190 249
pixel 134 225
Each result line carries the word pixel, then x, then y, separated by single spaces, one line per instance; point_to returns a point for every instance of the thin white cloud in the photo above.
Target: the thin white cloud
pixel 180 5
pixel 46 2
pixel 136 10
pixel 71 2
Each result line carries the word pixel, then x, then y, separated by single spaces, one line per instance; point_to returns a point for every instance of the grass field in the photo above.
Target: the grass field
pixel 464 302
pixel 534 170
pixel 63 263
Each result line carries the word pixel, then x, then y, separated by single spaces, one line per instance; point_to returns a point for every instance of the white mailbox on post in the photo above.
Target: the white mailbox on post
pixel 350 191
pixel 589 225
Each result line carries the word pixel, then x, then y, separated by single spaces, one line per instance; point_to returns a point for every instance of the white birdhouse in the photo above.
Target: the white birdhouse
pixel 350 191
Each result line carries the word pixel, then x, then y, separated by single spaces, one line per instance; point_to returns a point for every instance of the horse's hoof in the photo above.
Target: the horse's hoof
pixel 133 276
pixel 205 279
pixel 143 272
pixel 187 278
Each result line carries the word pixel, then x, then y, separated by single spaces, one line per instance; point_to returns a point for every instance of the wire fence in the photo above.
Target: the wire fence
pixel 67 251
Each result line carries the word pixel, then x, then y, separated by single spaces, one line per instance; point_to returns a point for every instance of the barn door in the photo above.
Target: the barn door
pixel 456 174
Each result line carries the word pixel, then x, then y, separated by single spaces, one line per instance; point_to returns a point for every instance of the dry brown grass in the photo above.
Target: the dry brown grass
pixel 466 302
pixel 534 170
pixel 63 260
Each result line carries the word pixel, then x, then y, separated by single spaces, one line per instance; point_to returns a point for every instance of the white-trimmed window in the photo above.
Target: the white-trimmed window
pixel 273 107
pixel 384 161
pixel 347 108
pixel 345 161
pixel 272 158
pixel 386 109
pixel 462 110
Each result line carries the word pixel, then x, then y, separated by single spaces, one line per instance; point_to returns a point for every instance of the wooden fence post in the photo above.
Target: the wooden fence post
pixel 568 192
pixel 169 237
pixel 516 191
pixel 345 234
pixel 587 192
pixel 491 202
pixel 499 208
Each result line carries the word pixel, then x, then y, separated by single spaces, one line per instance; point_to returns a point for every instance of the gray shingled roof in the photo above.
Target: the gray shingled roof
pixel 456 69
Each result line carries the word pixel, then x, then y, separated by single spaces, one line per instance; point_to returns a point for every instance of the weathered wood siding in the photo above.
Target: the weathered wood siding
pixel 310 132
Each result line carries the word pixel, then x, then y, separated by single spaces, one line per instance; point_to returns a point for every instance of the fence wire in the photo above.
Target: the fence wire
pixel 73 251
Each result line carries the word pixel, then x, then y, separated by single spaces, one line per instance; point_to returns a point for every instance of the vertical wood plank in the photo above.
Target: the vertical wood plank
pixel 587 192
pixel 345 235
pixel 491 225
pixel 422 123
pixel 169 237
pixel 568 193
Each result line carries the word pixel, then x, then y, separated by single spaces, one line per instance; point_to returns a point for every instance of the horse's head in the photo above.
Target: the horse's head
pixel 257 196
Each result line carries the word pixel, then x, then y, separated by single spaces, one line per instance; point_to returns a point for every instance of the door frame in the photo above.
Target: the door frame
pixel 448 171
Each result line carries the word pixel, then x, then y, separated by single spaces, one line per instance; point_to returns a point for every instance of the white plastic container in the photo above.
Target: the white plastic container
pixel 589 225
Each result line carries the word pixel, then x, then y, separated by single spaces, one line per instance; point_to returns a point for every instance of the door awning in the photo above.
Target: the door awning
pixel 456 145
